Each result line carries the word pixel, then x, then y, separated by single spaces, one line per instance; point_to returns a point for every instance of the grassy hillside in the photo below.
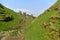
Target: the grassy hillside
pixel 8 18
pixel 11 20
pixel 46 26
pixel 12 24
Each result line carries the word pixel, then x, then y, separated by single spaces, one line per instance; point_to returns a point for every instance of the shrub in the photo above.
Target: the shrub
pixel 9 18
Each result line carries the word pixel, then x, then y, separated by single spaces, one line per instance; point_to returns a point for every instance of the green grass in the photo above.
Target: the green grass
pixel 6 12
pixel 9 25
pixel 36 30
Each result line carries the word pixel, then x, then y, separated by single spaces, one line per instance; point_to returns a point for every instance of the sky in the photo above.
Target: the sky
pixel 35 7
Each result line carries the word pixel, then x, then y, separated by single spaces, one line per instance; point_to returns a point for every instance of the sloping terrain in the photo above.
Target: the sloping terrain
pixel 12 24
pixel 8 18
pixel 46 26
pixel 9 24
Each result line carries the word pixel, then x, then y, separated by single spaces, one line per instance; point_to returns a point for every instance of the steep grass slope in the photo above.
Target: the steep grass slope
pixel 46 26
pixel 8 18
pixel 12 24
